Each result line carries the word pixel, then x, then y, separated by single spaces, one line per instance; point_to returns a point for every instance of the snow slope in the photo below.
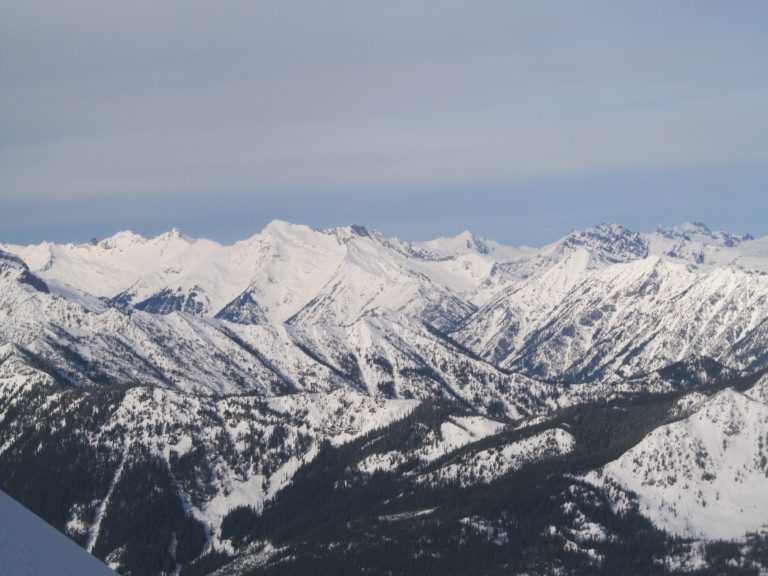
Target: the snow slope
pixel 31 547
pixel 706 475
pixel 485 466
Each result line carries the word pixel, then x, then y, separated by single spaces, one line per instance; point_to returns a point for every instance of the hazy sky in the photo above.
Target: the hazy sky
pixel 517 119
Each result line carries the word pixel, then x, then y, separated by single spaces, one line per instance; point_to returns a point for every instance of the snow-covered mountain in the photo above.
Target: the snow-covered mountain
pixel 597 303
pixel 707 474
pixel 608 302
pixel 216 376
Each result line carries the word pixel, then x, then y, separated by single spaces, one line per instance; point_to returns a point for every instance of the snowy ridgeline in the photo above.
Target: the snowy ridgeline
pixel 31 547
pixel 348 304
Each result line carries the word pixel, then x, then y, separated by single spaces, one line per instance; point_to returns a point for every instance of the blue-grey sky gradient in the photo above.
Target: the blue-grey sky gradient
pixel 517 119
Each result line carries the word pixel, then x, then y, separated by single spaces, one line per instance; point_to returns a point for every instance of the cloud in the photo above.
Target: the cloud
pixel 294 99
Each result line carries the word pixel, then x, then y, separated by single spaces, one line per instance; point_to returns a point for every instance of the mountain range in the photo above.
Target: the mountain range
pixel 340 401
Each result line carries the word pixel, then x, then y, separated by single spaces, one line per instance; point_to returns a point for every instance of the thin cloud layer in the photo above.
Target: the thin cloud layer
pixel 253 102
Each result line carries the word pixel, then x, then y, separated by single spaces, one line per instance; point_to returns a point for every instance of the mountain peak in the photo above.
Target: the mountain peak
pixel 605 230
pixel 614 242
pixel 359 229
pixel 613 228
pixel 697 231
pixel 474 242
pixel 11 260
pixel 465 242
pixel 277 224
pixel 684 229
pixel 172 235
pixel 19 269
pixel 120 239
pixel 279 227
pixel 348 233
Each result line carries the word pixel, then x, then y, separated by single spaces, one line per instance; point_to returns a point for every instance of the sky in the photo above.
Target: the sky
pixel 519 120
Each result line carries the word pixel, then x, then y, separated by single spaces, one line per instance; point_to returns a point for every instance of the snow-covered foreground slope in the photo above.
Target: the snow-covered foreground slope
pixel 204 456
pixel 176 465
pixel 30 547
pixel 706 475
pixel 169 382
